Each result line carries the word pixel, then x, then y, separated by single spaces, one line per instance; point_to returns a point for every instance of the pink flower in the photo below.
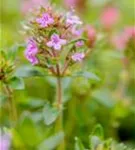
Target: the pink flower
pixel 5 141
pixel 78 57
pixel 119 42
pixel 91 33
pixel 79 43
pixel 129 32
pixel 72 19
pixel 31 51
pixel 45 20
pixel 109 17
pixel 56 42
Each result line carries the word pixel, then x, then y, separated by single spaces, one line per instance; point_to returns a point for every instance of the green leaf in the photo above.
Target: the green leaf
pixel 28 130
pixel 88 75
pixel 35 103
pixel 78 144
pixel 104 97
pixel 16 83
pixel 96 137
pixel 50 114
pixel 12 53
pixel 16 139
pixel 28 71
pixel 98 131
pixel 52 142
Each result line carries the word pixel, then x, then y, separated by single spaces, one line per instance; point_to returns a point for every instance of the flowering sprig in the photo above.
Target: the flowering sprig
pixel 56 43
pixel 50 34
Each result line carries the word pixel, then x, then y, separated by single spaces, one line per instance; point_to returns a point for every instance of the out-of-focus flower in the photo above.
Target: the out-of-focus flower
pixel 129 32
pixel 91 34
pixel 31 51
pixel 79 43
pixel 78 57
pixel 45 20
pixel 77 32
pixel 121 41
pixel 27 5
pixel 73 19
pixel 109 17
pixel 56 42
pixel 5 141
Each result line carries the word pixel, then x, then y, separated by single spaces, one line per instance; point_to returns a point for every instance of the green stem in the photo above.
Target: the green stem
pixel 12 104
pixel 59 121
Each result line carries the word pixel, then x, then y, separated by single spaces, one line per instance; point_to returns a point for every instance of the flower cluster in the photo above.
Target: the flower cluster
pixel 52 34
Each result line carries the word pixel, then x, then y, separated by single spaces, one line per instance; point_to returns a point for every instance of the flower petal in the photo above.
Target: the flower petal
pixel 49 44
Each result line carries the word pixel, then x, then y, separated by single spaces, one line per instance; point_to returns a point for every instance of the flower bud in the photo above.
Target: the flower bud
pixel 91 34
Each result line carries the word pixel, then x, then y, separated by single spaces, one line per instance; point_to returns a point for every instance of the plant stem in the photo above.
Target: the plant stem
pixel 59 121
pixel 12 105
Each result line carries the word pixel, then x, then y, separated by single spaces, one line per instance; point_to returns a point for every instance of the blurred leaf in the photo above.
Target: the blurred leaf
pixel 86 74
pixel 16 139
pixel 28 71
pixel 17 83
pixel 52 142
pixel 35 102
pixel 50 114
pixel 3 98
pixel 78 144
pixel 14 50
pixel 96 136
pixel 104 97
pixel 98 131
pixel 28 131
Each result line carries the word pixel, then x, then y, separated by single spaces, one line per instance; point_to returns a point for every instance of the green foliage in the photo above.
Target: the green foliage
pixel 97 142
pixel 16 83
pixel 50 114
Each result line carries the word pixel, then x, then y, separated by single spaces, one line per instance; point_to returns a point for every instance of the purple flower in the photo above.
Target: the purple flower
pixel 79 43
pixel 78 57
pixel 72 19
pixel 56 42
pixel 5 141
pixel 45 20
pixel 77 32
pixel 31 51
